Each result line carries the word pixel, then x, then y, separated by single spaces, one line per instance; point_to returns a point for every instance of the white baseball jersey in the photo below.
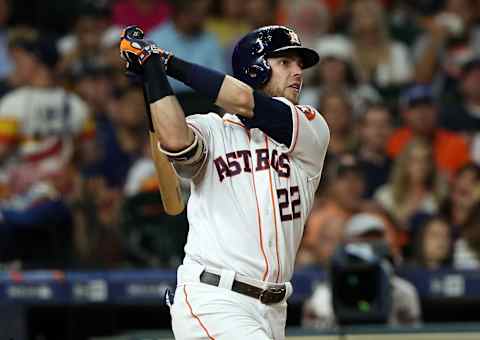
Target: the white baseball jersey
pixel 42 126
pixel 251 198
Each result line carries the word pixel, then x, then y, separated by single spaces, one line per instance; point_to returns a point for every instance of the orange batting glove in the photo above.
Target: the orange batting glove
pixel 136 51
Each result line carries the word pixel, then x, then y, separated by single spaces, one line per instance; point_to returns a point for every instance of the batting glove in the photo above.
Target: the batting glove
pixel 136 51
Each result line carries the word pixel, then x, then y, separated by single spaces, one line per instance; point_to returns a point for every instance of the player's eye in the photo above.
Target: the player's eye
pixel 284 62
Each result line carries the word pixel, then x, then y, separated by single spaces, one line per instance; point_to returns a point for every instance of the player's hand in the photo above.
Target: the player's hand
pixel 136 51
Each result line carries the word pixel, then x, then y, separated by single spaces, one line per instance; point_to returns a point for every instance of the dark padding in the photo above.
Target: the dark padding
pixel 271 116
pixel 201 79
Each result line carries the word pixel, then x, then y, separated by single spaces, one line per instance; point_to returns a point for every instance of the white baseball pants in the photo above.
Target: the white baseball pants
pixel 204 312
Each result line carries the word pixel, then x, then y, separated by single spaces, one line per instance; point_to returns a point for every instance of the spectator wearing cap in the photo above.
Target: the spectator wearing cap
pixel 336 73
pixel 415 185
pixel 419 112
pixel 365 228
pixel 374 129
pixel 342 198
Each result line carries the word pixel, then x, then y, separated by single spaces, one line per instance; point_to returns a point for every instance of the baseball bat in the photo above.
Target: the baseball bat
pixel 168 183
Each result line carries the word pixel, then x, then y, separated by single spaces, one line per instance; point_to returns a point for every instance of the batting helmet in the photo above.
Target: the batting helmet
pixel 249 59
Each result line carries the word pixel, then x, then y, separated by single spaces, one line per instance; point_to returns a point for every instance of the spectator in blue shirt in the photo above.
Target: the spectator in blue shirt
pixel 185 34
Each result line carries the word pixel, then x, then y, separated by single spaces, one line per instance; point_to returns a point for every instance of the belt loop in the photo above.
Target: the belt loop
pixel 226 279
pixel 289 290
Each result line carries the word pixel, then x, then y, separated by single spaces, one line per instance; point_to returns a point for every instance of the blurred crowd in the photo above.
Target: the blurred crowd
pixel 398 84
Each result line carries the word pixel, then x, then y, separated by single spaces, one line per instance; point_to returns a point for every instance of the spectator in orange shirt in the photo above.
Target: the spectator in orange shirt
pixel 420 113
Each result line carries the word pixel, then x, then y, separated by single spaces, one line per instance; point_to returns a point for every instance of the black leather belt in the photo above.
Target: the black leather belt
pixel 267 296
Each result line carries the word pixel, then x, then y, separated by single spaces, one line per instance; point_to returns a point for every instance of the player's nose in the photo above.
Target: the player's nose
pixel 297 69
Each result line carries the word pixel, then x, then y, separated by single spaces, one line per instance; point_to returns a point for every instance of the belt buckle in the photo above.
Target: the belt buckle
pixel 273 295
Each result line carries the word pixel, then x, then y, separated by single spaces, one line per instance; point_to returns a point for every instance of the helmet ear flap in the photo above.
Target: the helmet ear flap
pixel 259 72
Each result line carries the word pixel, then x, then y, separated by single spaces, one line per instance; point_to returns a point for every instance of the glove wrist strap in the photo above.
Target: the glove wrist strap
pixel 156 81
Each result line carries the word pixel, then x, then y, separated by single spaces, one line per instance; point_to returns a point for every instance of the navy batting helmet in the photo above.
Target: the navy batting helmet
pixel 249 59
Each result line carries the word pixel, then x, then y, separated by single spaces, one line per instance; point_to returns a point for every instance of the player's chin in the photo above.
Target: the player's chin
pixel 292 94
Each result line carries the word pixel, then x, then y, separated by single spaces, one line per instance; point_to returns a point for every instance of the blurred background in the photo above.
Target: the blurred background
pixel 393 240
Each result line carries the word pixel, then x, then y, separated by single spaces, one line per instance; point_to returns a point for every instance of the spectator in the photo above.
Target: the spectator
pixel 121 137
pixel 337 111
pixel 92 82
pixel 108 58
pixel 22 65
pixel 419 110
pixel 261 12
pixel 309 18
pixel 186 35
pixel 374 129
pixel 84 43
pixel 229 23
pixel 432 244
pixel 42 126
pixel 462 197
pixel 336 73
pixel 451 37
pixel 144 13
pixel 463 114
pixel 342 198
pixel 380 61
pixel 415 186
pixel 365 228
pixel 466 253
pixel 404 20
pixel 330 234
pixel 6 64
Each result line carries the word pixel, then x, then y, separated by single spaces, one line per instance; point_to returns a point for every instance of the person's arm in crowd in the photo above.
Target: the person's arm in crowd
pixel 430 46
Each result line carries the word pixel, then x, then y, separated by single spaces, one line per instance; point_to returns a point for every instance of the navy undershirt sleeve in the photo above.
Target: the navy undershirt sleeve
pixel 271 116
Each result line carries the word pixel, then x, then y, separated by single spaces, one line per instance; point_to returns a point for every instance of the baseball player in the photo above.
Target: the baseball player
pixel 253 175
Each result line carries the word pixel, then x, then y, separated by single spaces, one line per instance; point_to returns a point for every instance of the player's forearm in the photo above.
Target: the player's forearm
pixel 167 115
pixel 227 92
pixel 169 124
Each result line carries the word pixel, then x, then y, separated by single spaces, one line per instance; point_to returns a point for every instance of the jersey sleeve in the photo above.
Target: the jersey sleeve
pixel 203 125
pixel 83 122
pixel 10 119
pixel 310 137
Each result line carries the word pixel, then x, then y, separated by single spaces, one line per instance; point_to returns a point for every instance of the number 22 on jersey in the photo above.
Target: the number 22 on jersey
pixel 289 203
